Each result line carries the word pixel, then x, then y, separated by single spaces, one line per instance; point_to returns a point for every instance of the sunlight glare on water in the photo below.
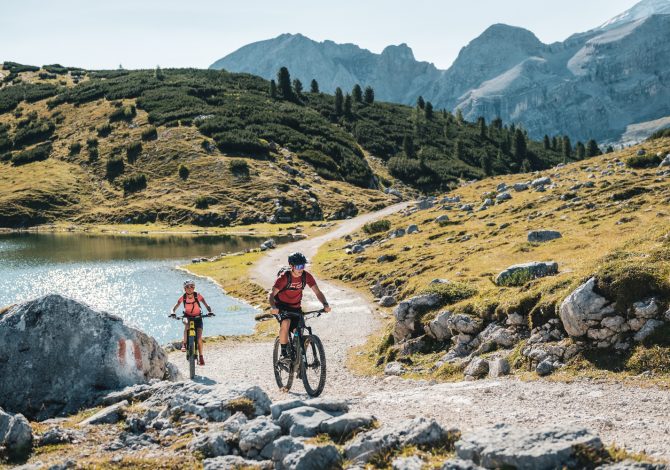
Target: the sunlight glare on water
pixel 141 291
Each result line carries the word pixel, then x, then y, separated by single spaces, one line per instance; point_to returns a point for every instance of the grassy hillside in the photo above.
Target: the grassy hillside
pixel 614 222
pixel 213 148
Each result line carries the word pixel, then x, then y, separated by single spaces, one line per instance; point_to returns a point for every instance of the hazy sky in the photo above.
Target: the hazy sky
pixel 195 33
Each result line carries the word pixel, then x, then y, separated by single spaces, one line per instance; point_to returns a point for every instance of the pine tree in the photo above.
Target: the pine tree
pixel 369 95
pixel 567 147
pixel 519 146
pixel 497 123
pixel 357 93
pixel 609 149
pixel 158 73
pixel 273 89
pixel 459 117
pixel 581 151
pixel 314 86
pixel 339 101
pixel 481 122
pixel 554 143
pixel 486 162
pixel 547 142
pixel 459 151
pixel 347 105
pixel 297 87
pixel 420 103
pixel 408 146
pixel 429 110
pixel 525 166
pixel 284 83
pixel 592 149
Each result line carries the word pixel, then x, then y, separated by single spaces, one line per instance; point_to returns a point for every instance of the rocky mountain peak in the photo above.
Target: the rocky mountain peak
pixel 399 52
pixel 640 10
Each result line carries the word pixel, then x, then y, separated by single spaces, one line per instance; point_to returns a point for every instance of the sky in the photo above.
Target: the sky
pixel 195 33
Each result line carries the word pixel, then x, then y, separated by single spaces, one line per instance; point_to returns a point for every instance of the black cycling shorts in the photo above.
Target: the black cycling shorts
pixel 197 320
pixel 289 314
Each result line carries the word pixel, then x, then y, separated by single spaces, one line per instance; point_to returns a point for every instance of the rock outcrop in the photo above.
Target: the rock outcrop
pixel 57 355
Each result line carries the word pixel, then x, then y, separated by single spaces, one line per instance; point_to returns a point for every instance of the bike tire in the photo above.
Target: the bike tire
pixel 314 367
pixel 284 378
pixel 191 357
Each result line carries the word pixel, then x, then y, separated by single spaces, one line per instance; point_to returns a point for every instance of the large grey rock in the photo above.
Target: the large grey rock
pixel 235 462
pixel 110 415
pixel 304 421
pixel 647 308
pixel 16 436
pixel 257 433
pixel 58 435
pixel 279 407
pixel 477 368
pixel 412 229
pixel 216 402
pixel 387 301
pixel 46 374
pixel 464 324
pixel 538 236
pixel 329 405
pixel 581 306
pixel 278 449
pixel 419 432
pixel 460 464
pixel 647 329
pixel 407 463
pixel 545 180
pixel 498 367
pixel 408 313
pixel 545 367
pixel 438 327
pixel 211 444
pixel 345 425
pixel 519 274
pixel 314 458
pixel 394 368
pixel 544 447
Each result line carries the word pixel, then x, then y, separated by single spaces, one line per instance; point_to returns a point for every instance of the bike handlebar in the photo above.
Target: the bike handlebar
pixel 310 314
pixel 180 317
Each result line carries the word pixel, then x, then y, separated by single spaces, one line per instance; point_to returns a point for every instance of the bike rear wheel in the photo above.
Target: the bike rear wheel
pixel 283 373
pixel 314 366
pixel 191 356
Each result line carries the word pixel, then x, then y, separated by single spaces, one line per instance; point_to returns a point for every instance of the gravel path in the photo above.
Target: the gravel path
pixel 637 418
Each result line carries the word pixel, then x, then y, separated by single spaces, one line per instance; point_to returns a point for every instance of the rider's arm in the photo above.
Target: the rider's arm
pixel 209 309
pixel 174 309
pixel 271 299
pixel 321 297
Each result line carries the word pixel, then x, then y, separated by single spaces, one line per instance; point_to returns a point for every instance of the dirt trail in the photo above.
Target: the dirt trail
pixel 632 417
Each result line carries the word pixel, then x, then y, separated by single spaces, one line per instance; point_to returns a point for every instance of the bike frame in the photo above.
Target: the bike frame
pixel 300 356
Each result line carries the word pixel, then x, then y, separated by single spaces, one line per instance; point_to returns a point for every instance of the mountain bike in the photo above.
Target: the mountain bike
pixel 192 341
pixel 307 357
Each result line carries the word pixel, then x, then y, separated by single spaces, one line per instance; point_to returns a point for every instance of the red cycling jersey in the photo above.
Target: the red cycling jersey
pixel 191 307
pixel 292 297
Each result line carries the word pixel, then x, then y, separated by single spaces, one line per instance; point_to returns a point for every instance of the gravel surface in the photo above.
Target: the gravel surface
pixel 636 418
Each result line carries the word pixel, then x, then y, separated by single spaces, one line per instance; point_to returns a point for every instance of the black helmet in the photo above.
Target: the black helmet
pixel 296 258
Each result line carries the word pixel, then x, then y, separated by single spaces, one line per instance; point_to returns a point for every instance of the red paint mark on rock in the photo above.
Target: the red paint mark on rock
pixel 122 351
pixel 138 356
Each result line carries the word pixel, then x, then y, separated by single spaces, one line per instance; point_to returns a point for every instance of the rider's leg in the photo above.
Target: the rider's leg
pixel 198 333
pixel 283 336
pixel 185 334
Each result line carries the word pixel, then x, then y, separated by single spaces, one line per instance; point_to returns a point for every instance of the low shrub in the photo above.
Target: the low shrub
pixel 124 113
pixel 134 183
pixel 31 131
pixel 659 134
pixel 93 154
pixel 201 202
pixel 241 143
pixel 451 292
pixel 35 154
pixel 91 142
pixel 239 167
pixel 150 134
pixel 104 130
pixel 377 226
pixel 644 161
pixel 75 148
pixel 133 150
pixel 114 168
pixel 183 172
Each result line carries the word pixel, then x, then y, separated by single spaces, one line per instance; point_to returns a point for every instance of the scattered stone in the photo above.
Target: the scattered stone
pixel 394 368
pixel 520 187
pixel 540 182
pixel 507 446
pixel 407 463
pixel 545 367
pixel 466 208
pixel 110 415
pixel 464 324
pixel 665 162
pixel 356 249
pixel 647 308
pixel 279 407
pixel 329 405
pixel 16 435
pixel 386 258
pixel 341 427
pixel 407 315
pixel 647 330
pixel 438 328
pixel 257 433
pixel 268 245
pixel 387 301
pixel 503 197
pixel 519 274
pixel 57 435
pixel 538 236
pixel 459 464
pixel 412 229
pixel 278 449
pixel 211 444
pixel 516 319
pixel 581 306
pixel 314 458
pixel 397 233
pixel 303 421
pixel 233 462
pixel 477 368
pixel 498 367
pixel 443 219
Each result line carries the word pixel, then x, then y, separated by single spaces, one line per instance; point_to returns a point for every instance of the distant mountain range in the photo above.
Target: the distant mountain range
pixel 592 85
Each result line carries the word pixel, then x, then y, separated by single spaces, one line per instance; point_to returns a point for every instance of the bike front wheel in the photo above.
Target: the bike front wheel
pixel 313 366
pixel 283 372
pixel 191 357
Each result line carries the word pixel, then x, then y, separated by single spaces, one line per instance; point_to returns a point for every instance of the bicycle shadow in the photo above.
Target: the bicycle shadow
pixel 204 380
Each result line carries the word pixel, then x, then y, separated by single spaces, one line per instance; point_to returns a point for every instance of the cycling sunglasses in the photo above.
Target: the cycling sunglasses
pixel 299 266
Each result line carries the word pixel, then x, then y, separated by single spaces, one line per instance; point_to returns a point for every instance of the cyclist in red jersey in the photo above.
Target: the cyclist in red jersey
pixel 286 297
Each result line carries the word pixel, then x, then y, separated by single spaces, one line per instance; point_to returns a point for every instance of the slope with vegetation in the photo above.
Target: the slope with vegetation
pixel 612 213
pixel 213 148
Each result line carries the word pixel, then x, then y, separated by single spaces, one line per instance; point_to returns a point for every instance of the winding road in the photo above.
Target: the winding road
pixel 636 418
